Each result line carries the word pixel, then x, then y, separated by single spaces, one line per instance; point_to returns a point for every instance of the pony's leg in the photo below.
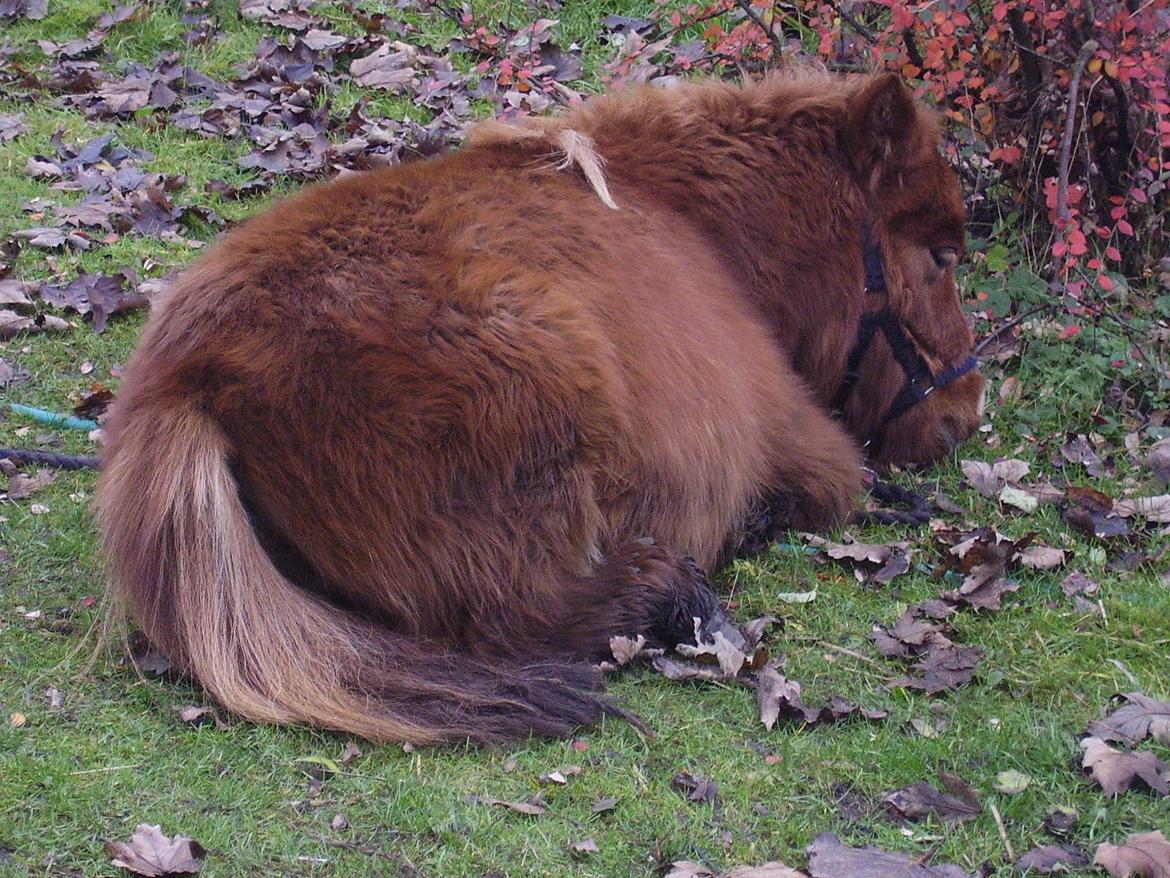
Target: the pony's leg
pixel 815 477
pixel 639 587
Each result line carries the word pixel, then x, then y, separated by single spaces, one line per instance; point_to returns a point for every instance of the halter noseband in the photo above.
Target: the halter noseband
pixel 920 381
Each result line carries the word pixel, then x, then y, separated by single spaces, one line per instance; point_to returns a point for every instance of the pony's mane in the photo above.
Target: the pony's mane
pixel 568 140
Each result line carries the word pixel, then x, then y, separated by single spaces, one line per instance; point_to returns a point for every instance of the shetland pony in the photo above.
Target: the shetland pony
pixel 403 452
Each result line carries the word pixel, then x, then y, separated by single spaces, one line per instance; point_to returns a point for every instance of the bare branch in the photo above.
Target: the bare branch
pixel 1074 87
pixel 864 32
pixel 758 21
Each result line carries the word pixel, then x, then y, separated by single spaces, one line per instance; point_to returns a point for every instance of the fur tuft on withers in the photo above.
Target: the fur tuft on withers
pixel 576 149
pixel 186 563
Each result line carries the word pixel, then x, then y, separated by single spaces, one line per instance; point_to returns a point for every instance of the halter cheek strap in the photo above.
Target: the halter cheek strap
pixel 920 382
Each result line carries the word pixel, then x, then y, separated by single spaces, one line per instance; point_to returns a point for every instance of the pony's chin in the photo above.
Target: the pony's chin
pixel 935 429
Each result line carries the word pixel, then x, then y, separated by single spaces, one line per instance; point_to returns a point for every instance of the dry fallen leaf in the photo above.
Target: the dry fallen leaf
pixel 856 551
pixel 773 689
pixel 910 635
pixel 990 479
pixel 675 670
pixel 728 655
pixel 688 869
pixel 1116 771
pixel 1142 717
pixel 1078 450
pixel 1040 557
pixel 829 858
pixel 1076 583
pixel 922 800
pixel 942 668
pixel 1158 460
pixel 21 486
pixel 534 807
pixel 1146 855
pixel 981 476
pixel 1012 782
pixel 602 805
pixel 695 787
pixel 1061 820
pixel 1051 858
pixel 1020 498
pixel 195 715
pixel 984 587
pixel 1150 508
pixel 625 648
pixel 151 853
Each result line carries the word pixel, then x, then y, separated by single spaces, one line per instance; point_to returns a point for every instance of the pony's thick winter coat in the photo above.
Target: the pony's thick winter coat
pixel 399 455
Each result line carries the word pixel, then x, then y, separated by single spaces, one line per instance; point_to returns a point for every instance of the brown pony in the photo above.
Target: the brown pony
pixel 400 455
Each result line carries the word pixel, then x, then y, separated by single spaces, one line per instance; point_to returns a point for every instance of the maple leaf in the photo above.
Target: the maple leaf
pixel 151 853
pixel 1051 858
pixel 1158 460
pixel 696 787
pixel 1132 723
pixel 921 800
pixel 942 668
pixel 11 126
pixel 1117 771
pixel 725 648
pixel 829 858
pixel 688 869
pixel 533 807
pixel 21 486
pixel 984 587
pixel 1150 508
pixel 1040 557
pixel 909 636
pixel 1146 855
pixel 773 691
pixel 624 649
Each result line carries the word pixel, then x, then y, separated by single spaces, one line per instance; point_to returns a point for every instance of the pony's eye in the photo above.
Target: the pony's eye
pixel 945 257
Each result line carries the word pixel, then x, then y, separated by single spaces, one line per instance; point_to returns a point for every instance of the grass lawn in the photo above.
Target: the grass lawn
pixel 89 749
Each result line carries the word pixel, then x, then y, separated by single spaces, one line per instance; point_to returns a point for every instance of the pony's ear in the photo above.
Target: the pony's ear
pixel 880 120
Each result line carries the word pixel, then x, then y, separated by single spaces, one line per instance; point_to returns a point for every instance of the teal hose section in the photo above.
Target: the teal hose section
pixel 57 420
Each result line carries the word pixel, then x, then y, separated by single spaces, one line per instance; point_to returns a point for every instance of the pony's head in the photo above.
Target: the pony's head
pixel 910 391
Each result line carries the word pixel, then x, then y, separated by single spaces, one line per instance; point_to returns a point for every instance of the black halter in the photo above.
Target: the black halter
pixel 920 382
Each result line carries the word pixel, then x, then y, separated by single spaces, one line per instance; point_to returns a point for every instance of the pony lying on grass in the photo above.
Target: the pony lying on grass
pixel 401 454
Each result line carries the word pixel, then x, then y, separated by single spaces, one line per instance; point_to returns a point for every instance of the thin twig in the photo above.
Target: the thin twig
pixel 108 768
pixel 356 848
pixel 1007 843
pixel 845 651
pixel 758 20
pixel 1126 329
pixel 864 32
pixel 1011 324
pixel 1074 86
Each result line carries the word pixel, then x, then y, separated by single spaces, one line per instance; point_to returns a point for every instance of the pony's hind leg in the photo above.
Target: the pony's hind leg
pixel 639 587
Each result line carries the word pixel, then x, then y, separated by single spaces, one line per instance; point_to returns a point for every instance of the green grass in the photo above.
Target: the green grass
pixel 116 753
